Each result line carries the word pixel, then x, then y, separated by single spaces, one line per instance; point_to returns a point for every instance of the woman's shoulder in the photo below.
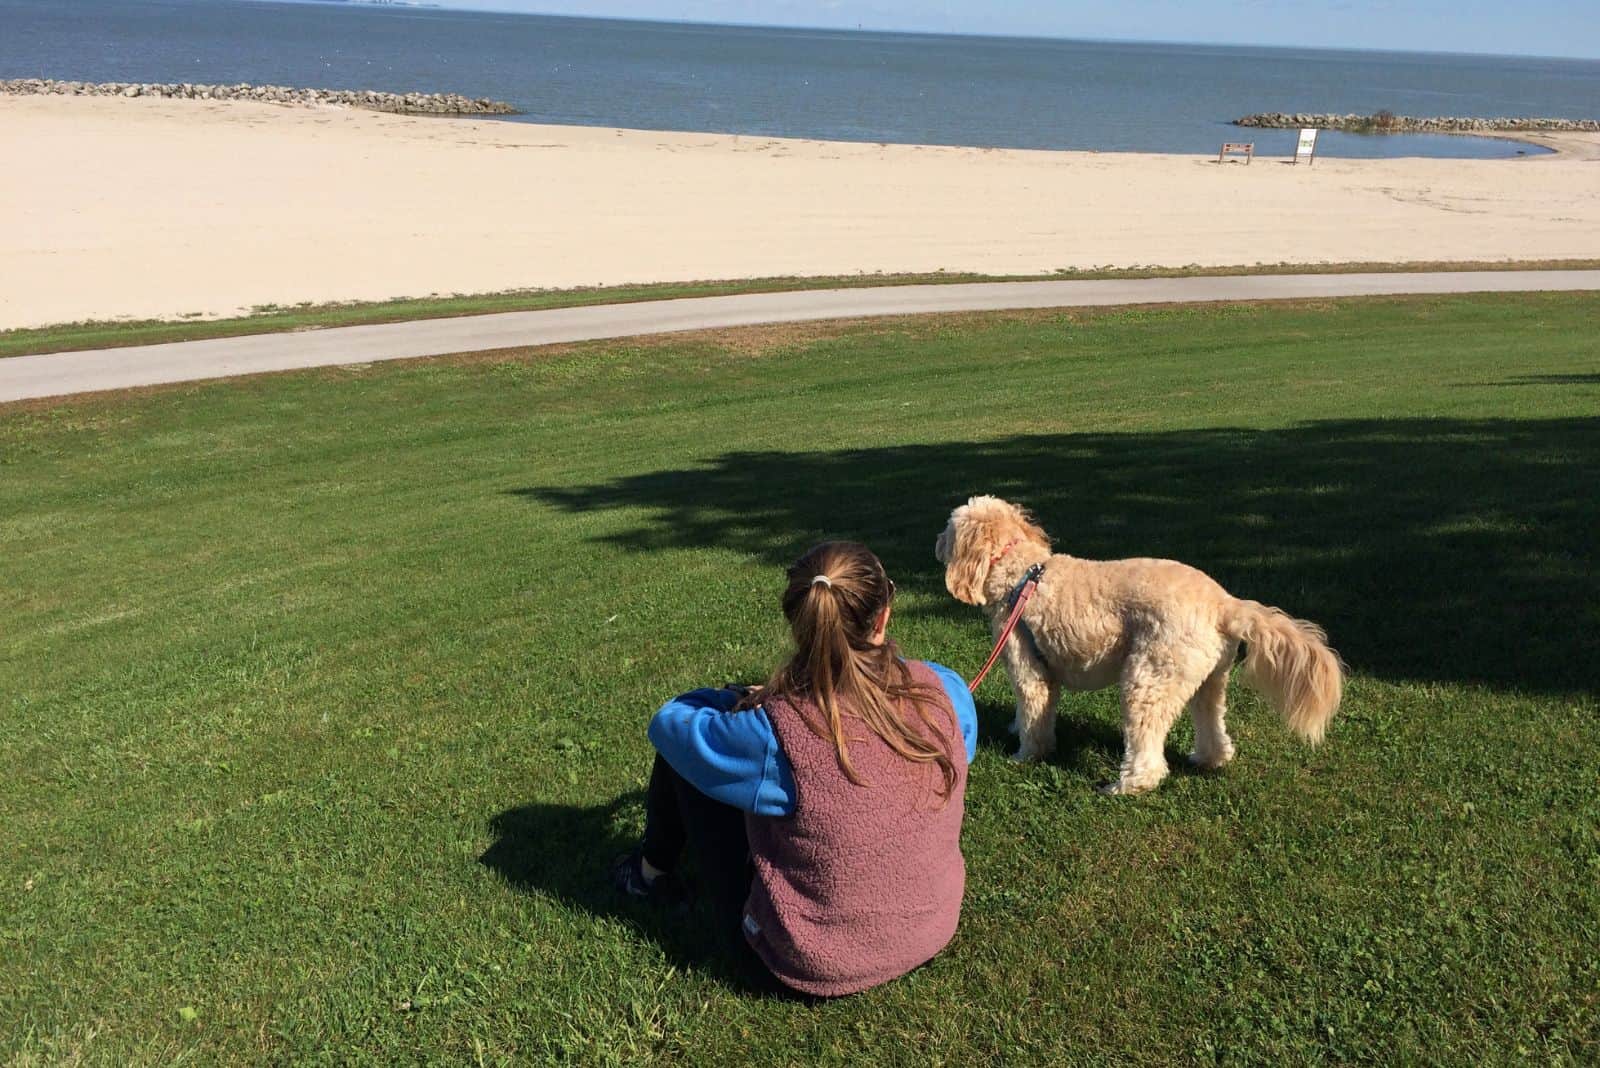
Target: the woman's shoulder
pixel 958 699
pixel 945 675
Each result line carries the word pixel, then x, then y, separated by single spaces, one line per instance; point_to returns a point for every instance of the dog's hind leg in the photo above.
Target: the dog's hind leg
pixel 1153 697
pixel 1208 708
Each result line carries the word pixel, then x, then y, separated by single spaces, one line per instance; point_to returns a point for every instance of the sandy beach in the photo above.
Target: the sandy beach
pixel 114 208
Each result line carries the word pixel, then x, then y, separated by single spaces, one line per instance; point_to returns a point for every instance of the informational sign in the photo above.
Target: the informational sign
pixel 1307 148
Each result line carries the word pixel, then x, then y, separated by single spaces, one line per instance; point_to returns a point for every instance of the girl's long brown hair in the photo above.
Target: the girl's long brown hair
pixel 836 666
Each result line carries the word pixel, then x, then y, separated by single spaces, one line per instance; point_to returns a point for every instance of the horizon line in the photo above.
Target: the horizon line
pixel 862 28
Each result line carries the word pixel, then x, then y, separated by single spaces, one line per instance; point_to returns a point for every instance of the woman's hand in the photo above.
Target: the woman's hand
pixel 749 696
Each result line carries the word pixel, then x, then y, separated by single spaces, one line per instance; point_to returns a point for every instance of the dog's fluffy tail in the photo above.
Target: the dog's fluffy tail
pixel 1289 663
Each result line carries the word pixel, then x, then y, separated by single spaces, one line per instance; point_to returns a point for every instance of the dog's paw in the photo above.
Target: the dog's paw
pixel 1122 788
pixel 1210 761
pixel 1025 756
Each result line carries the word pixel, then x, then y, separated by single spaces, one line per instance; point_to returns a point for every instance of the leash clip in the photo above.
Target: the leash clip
pixel 1030 576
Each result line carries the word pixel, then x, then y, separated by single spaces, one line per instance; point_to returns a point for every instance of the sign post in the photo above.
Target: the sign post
pixel 1307 148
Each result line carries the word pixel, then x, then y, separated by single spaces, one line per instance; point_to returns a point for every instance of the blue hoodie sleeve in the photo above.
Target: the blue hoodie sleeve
pixel 732 757
pixel 955 687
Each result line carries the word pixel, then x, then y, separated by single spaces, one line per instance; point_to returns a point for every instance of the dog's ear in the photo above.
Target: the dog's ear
pixel 970 547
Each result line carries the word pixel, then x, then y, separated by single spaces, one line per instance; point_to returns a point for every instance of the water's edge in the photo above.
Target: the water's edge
pixel 1017 93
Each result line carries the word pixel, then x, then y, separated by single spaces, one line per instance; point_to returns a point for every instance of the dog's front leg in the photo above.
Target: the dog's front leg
pixel 1036 699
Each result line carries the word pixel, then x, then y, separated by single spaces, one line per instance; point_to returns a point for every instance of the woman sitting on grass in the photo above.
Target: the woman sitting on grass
pixel 823 810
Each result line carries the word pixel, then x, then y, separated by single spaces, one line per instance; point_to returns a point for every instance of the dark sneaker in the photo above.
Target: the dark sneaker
pixel 627 875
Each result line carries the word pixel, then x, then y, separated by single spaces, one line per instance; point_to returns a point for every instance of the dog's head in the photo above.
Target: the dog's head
pixel 978 532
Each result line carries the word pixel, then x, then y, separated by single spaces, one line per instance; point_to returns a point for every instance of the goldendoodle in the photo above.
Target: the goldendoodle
pixel 1164 632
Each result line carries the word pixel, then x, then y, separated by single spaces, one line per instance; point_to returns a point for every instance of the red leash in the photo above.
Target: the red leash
pixel 1019 601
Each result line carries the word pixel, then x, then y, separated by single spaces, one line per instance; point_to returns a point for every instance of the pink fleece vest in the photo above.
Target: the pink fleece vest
pixel 862 883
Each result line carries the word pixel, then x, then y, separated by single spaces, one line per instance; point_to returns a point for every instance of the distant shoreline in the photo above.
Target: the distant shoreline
pixel 456 105
pixel 1385 123
pixel 370 99
pixel 1541 132
pixel 1031 94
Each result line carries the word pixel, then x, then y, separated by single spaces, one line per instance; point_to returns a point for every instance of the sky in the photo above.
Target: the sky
pixel 1517 27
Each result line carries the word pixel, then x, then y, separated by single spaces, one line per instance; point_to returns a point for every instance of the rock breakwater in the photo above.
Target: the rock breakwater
pixel 397 103
pixel 1383 122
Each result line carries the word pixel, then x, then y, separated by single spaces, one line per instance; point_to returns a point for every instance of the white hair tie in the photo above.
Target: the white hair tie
pixel 824 580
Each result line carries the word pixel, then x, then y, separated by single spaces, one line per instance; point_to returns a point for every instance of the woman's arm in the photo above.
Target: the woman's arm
pixel 955 688
pixel 731 757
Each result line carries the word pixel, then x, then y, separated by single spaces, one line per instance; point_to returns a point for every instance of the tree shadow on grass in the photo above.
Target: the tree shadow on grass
pixel 565 852
pixel 1553 380
pixel 1443 550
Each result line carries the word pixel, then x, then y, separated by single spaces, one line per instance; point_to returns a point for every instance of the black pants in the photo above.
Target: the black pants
pixel 679 820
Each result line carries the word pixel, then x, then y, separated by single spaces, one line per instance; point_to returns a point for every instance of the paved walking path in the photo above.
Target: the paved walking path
pixel 55 374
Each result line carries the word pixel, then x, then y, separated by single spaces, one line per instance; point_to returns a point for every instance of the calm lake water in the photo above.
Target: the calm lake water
pixel 1009 92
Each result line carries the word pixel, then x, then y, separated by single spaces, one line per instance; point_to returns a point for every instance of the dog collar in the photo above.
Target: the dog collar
pixel 1032 575
pixel 1012 544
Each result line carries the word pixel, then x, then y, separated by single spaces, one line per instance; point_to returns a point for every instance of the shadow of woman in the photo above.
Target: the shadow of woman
pixel 565 852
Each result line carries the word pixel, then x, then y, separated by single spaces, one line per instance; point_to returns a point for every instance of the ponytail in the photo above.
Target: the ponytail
pixel 837 593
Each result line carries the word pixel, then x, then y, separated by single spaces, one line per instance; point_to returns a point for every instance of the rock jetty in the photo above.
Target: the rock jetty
pixel 1383 122
pixel 398 103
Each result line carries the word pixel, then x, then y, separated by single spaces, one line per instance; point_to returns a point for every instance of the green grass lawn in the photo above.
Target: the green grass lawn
pixel 322 696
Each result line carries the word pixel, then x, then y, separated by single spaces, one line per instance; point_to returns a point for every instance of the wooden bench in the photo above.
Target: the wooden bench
pixel 1247 149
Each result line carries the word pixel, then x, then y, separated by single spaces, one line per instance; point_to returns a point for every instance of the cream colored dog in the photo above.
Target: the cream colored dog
pixel 1164 632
